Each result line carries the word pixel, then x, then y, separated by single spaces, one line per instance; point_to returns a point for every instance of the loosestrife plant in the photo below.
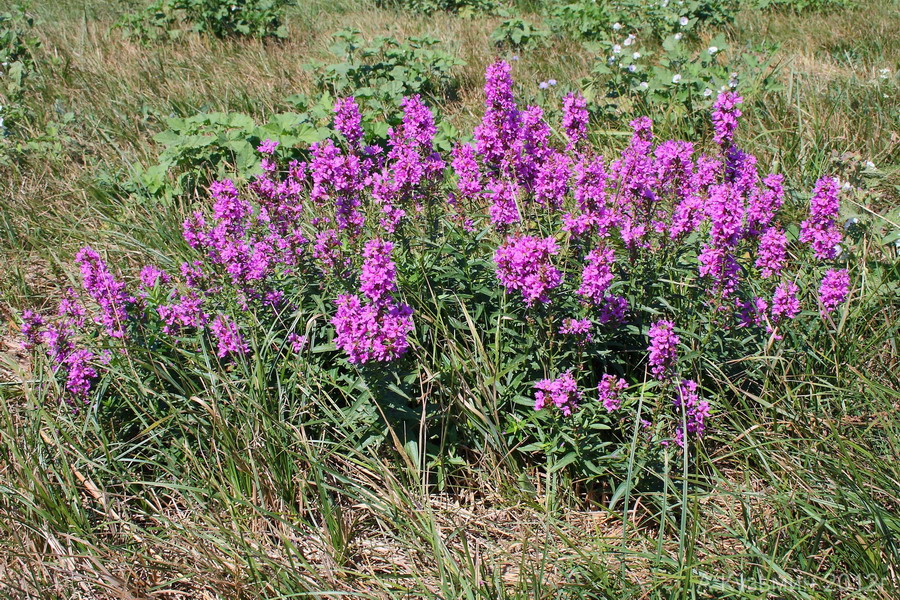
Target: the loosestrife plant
pixel 623 270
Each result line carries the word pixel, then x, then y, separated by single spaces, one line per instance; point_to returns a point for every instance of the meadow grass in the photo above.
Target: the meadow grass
pixel 795 495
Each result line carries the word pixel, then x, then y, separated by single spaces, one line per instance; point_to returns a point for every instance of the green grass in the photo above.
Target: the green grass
pixel 243 493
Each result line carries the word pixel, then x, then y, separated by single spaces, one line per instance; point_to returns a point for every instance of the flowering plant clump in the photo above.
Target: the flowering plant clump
pixel 651 264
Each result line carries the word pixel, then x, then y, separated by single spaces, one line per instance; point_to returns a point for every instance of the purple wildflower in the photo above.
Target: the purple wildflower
pixel 523 264
pixel 151 276
pixel 367 332
pixel 597 274
pixel 578 328
pixel 267 147
pixel 785 304
pixel 504 210
pixel 467 172
pixel 725 117
pixel 663 349
pixel 609 390
pixel 378 271
pixel 772 252
pixel 612 309
pixel 562 392
pixel 575 118
pixel 228 337
pixel 81 374
pixel 499 126
pixel 32 324
pixel 834 289
pixel 820 229
pixel 696 410
pixel 348 121
pixel 110 294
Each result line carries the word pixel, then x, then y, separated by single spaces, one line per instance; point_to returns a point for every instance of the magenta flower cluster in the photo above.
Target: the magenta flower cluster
pixel 610 390
pixel 695 411
pixel 834 289
pixel 524 264
pixel 820 230
pixel 562 392
pixel 376 329
pixel 663 349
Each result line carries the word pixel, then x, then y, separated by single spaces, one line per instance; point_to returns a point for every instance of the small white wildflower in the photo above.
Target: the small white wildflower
pixel 551 81
pixel 617 49
pixel 683 21
pixel 611 59
pixel 845 186
pixel 643 85
pixel 733 83
pixel 676 78
pixel 724 88
pixel 632 68
pixel 665 3
pixel 543 85
pixel 870 165
pixel 516 57
pixel 850 223
pixel 629 40
pixel 883 73
pixel 678 36
pixel 636 55
pixel 617 26
pixel 712 50
pixel 707 93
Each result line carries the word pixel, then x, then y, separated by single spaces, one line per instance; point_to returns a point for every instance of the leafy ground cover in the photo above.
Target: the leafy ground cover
pixel 343 403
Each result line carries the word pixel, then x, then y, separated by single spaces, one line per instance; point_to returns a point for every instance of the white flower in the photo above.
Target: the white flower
pixel 629 40
pixel 850 223
pixel 617 49
pixel 732 83
pixel 551 81
pixel 683 21
pixel 676 78
pixel 712 50
pixel 665 3
pixel 543 85
pixel 643 85
pixel 1 122
pixel 516 57
pixel 883 73
pixel 723 89
pixel 870 165
pixel 707 93
pixel 678 36
pixel 632 68
pixel 617 26
pixel 636 55
pixel 611 59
